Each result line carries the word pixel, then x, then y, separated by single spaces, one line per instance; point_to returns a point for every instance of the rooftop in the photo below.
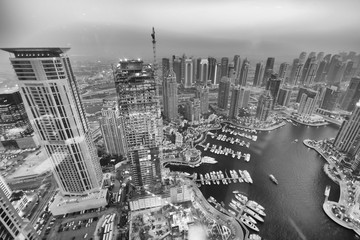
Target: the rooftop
pixel 36 52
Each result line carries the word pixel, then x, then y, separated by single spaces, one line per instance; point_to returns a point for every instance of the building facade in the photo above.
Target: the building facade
pixel 264 106
pixel 189 73
pixel 52 101
pixel 307 103
pixel 170 95
pixel 224 91
pixel 352 95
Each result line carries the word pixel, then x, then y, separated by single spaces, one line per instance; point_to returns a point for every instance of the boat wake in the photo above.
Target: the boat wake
pixel 297 229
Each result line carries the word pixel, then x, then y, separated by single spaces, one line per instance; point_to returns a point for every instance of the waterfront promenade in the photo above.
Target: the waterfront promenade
pixel 344 211
pixel 268 128
pixel 320 124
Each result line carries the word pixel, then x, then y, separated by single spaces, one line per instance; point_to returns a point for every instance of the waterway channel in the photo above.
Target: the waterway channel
pixel 294 207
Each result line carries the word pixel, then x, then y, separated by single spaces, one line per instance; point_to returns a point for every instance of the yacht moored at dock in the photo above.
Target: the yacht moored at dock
pixel 249 224
pixel 273 179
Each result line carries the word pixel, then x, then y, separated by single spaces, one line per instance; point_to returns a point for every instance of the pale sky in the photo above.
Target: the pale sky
pixel 115 28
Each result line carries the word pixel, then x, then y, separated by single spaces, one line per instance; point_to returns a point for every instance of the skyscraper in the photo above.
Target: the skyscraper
pixel 348 71
pixel 224 66
pixel 217 73
pixel 244 73
pixel 224 91
pixel 142 124
pixel 112 129
pixel 348 138
pixel 311 72
pixel 283 71
pixel 264 106
pixel 177 69
pixel 302 57
pixel 234 102
pixel 307 104
pixel 284 97
pixel 4 187
pixel 165 67
pixel 212 68
pixel 334 68
pixel 306 68
pixel 192 110
pixel 189 73
pixel 11 225
pixel 352 95
pixel 237 65
pixel 258 74
pixel 320 56
pixel 294 69
pixel 331 96
pixel 202 94
pixel 53 104
pixel 170 95
pixel 320 72
pixel 197 67
pixel 269 67
pixel 273 85
pixel 204 74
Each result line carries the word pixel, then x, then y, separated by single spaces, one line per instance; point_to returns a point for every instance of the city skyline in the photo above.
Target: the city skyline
pixel 289 26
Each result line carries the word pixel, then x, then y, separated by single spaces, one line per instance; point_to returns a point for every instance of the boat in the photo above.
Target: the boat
pixel 202 179
pixel 231 211
pixel 254 237
pixel 327 190
pixel 243 197
pixel 240 199
pixel 247 175
pixel 251 219
pixel 209 160
pixel 273 179
pixel 253 214
pixel 249 224
pixel 296 140
pixel 255 209
pixel 242 175
pixel 258 205
pixel 235 191
pixel 233 206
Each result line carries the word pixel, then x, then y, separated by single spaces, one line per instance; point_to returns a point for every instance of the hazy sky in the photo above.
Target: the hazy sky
pixel 218 28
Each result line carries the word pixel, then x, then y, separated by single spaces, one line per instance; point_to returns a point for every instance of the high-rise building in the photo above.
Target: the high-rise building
pixel 269 68
pixel 112 129
pixel 333 70
pixel 244 97
pixel 5 187
pixel 140 112
pixel 237 65
pixel 177 68
pixel 212 69
pixel 331 96
pixel 348 138
pixel 165 67
pixel 234 102
pixel 204 74
pixel 273 85
pixel 11 224
pixel 202 94
pixel 189 73
pixel 284 97
pixel 217 73
pixel 182 68
pixel 12 112
pixel 302 57
pixel 352 95
pixel 264 106
pixel 192 110
pixel 294 70
pixel 258 74
pixel 311 72
pixel 224 66
pixel 52 101
pixel 305 69
pixel 197 67
pixel 224 91
pixel 283 71
pixel 348 71
pixel 307 104
pixel 170 96
pixel 244 73
pixel 320 56
pixel 320 72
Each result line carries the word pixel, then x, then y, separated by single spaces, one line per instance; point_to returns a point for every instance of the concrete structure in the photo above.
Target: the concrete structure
pixel 352 95
pixel 283 71
pixel 204 74
pixel 170 94
pixel 330 99
pixel 179 139
pixel 142 123
pixel 112 129
pixel 177 68
pixel 217 73
pixel 348 138
pixel 273 85
pixel 11 225
pixel 284 97
pixel 234 103
pixel 320 72
pixel 242 79
pixel 259 71
pixel 53 104
pixel 269 68
pixel 193 110
pixel 224 67
pixel 5 187
pixel 165 67
pixel 307 103
pixel 264 106
pixel 212 69
pixel 311 72
pixel 203 94
pixel 237 65
pixel 333 76
pixel 224 91
pixel 189 73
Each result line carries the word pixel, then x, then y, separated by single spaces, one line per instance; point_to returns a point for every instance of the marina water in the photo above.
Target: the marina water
pixel 294 207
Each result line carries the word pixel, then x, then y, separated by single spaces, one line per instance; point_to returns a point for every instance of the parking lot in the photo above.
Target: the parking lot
pixel 77 229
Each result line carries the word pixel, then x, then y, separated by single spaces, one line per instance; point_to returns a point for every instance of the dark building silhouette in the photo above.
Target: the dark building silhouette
pixel 259 70
pixel 331 96
pixel 224 91
pixel 273 85
pixel 269 67
pixel 352 95
pixel 224 66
